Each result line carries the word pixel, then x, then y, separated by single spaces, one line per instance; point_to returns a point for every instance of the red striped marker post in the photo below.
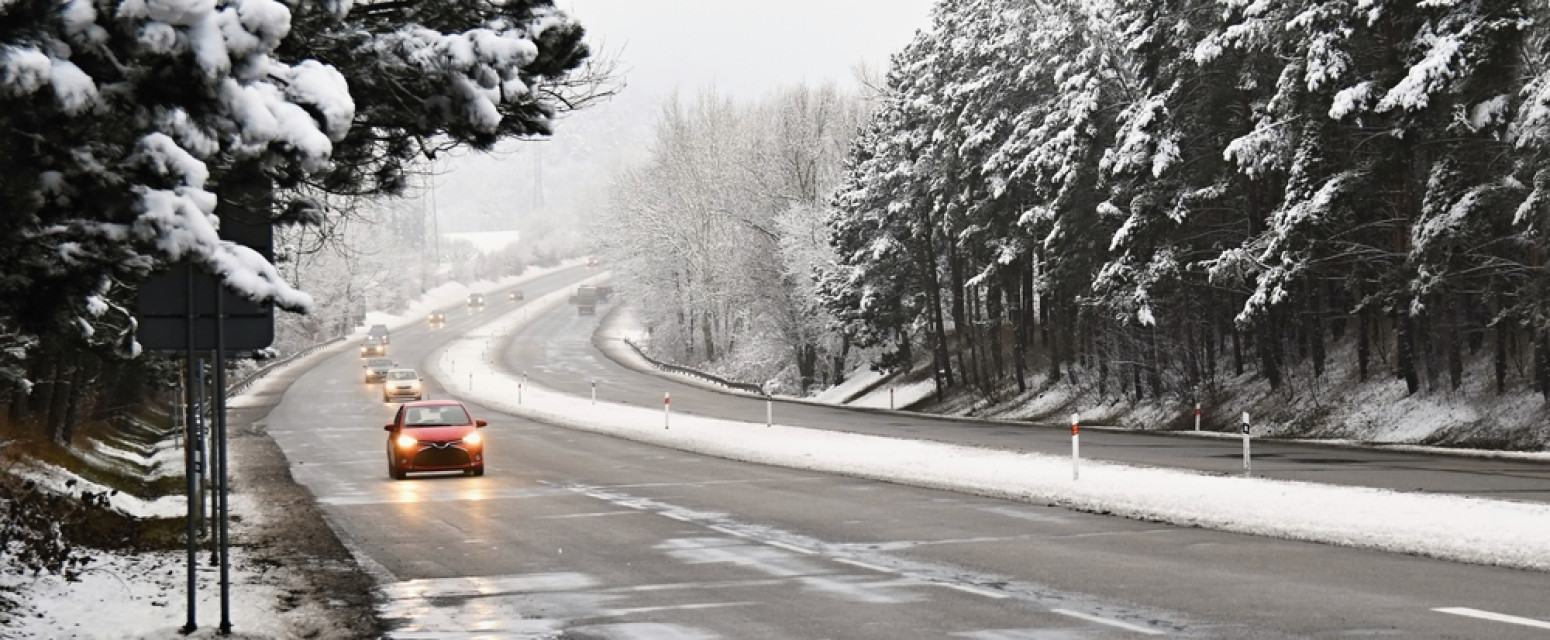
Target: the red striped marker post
pixel 1076 446
pixel 1246 457
pixel 667 408
pixel 1197 416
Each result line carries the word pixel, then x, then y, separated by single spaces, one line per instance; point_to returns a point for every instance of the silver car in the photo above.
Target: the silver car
pixel 402 383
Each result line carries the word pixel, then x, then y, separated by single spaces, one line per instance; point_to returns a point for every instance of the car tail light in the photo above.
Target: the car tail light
pixel 473 438
pixel 406 441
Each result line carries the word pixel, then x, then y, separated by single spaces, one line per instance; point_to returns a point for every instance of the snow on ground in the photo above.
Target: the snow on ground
pixel 1448 527
pixel 859 381
pixel 145 595
pixel 890 396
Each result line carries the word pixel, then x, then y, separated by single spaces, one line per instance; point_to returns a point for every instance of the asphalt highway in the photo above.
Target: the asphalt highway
pixel 575 535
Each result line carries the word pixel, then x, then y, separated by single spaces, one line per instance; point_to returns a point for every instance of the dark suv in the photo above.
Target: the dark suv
pixel 379 332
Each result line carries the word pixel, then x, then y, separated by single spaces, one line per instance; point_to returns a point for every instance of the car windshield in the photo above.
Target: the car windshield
pixel 436 416
pixel 379 363
pixel 402 374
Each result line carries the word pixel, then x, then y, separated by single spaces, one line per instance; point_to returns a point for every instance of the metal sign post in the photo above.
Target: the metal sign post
pixel 186 309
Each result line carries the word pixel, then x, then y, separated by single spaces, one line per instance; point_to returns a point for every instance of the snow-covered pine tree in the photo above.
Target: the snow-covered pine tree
pixel 126 125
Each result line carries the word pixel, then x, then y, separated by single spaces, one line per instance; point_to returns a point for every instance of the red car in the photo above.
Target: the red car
pixel 434 435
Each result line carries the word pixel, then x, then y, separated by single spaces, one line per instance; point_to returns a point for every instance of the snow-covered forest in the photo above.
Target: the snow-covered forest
pixel 716 236
pixel 133 129
pixel 1146 200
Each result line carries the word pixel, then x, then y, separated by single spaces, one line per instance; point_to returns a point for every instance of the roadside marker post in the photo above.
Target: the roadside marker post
pixel 769 411
pixel 594 392
pixel 1076 446
pixel 667 409
pixel 1197 416
pixel 1246 457
pixel 890 398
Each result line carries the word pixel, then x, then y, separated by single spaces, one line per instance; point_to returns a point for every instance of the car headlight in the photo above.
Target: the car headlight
pixel 473 438
pixel 405 440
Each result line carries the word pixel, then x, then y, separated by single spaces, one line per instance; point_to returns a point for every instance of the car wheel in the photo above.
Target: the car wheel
pixel 477 471
pixel 394 472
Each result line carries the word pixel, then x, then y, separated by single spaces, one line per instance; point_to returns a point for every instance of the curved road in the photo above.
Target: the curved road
pixel 557 351
pixel 576 535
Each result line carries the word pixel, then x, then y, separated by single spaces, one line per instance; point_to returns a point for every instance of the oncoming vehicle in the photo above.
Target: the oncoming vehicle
pixel 373 347
pixel 434 435
pixel 401 383
pixel 437 317
pixel 515 295
pixel 377 368
pixel 475 299
pixel 380 332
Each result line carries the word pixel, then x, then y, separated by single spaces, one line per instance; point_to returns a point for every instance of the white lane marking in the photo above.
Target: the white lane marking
pixel 1113 623
pixel 790 547
pixel 735 534
pixel 598 514
pixel 974 590
pixel 680 607
pixel 1494 617
pixel 863 565
pixel 669 514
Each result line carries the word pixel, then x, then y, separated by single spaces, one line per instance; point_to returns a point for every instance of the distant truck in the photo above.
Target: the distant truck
pixel 586 300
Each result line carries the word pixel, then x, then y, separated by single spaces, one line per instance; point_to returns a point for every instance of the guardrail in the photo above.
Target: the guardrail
pixel 695 373
pixel 238 386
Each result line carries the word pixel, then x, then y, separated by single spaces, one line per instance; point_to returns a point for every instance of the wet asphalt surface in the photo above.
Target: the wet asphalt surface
pixel 576 535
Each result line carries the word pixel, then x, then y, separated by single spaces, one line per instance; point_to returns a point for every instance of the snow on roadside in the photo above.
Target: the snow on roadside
pixel 859 381
pixel 1454 528
pixel 903 395
pixel 144 595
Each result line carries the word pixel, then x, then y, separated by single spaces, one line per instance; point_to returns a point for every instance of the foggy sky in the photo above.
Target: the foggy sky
pixel 740 48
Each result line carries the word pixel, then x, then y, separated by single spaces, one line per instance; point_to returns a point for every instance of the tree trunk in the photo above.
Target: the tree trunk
pixel 1266 345
pixel 995 311
pixel 807 364
pixel 1542 364
pixel 1363 345
pixel 1053 346
pixel 838 362
pixel 1153 366
pixel 1024 324
pixel 1501 358
pixel 1237 351
pixel 77 395
pixel 59 405
pixel 1404 353
pixel 1316 330
pixel 1455 346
